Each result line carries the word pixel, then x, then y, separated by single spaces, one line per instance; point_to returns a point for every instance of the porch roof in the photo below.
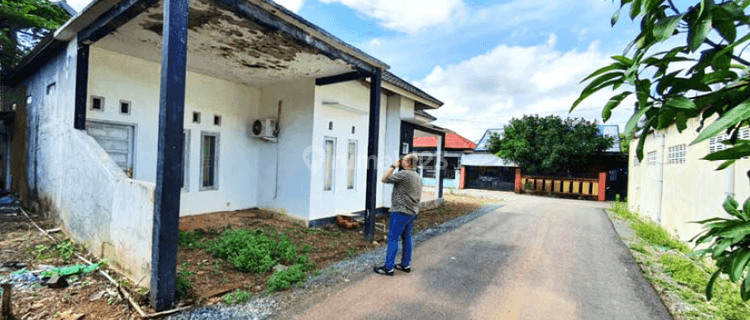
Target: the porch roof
pixel 253 42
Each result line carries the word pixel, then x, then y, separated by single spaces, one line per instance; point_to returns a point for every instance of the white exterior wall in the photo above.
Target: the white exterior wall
pixel 692 191
pixel 291 192
pixel 353 95
pixel 97 204
pixel 119 77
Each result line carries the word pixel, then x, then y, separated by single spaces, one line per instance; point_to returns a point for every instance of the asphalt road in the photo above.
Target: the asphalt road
pixel 534 258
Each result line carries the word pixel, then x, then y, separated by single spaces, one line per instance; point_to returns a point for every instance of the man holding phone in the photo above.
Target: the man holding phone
pixel 407 192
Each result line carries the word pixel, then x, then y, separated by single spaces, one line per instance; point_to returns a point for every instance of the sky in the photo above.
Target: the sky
pixel 488 61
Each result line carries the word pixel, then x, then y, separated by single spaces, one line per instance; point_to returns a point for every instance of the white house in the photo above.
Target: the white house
pixel 674 186
pixel 278 114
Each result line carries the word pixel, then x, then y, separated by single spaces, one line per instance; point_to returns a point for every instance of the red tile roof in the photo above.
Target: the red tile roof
pixel 452 141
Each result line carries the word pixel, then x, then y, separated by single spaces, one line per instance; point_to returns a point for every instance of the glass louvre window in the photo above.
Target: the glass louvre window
pixel 714 144
pixel 651 158
pixel 677 154
pixel 351 170
pixel 185 157
pixel 330 149
pixel 209 161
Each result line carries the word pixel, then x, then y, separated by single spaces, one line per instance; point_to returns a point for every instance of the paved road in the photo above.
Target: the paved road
pixel 534 258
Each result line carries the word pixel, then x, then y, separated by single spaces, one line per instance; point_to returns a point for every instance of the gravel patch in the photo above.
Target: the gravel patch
pixel 266 307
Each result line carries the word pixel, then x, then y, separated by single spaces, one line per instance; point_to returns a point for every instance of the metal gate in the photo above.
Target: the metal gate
pixel 117 140
pixel 490 178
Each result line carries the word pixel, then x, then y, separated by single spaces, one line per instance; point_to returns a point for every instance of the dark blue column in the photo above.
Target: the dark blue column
pixel 442 167
pixel 372 154
pixel 82 84
pixel 169 155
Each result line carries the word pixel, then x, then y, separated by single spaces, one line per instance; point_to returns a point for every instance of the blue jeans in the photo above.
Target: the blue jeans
pixel 400 227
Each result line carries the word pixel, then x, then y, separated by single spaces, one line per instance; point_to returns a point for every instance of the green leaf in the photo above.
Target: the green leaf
pixel 624 60
pixel 725 165
pixel 642 140
pixel 698 33
pixel 590 89
pixel 681 102
pixel 730 206
pixel 745 289
pixel 665 27
pixel 681 121
pixel 709 220
pixel 739 230
pixel 728 119
pixel 615 17
pixel 633 122
pixel 733 153
pixel 739 261
pixel 720 247
pixel 613 103
pixel 710 285
pixel 614 66
pixel 746 206
pixel 727 30
pixel 635 8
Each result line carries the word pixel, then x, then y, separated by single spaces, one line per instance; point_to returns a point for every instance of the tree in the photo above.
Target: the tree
pixel 703 77
pixel 22 24
pixel 549 145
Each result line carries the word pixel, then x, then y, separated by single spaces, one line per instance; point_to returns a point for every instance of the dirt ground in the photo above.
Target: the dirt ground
pixel 210 278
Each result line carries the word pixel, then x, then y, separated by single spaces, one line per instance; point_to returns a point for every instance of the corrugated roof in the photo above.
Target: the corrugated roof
pixel 452 141
pixel 613 131
pixel 401 83
pixel 482 159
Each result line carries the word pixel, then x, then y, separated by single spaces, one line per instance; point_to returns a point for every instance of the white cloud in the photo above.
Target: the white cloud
pixel 405 16
pixel 292 5
pixel 486 91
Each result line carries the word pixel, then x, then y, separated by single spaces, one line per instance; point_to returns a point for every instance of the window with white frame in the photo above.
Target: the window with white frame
pixel 715 144
pixel 185 159
pixel 651 158
pixel 677 154
pixel 351 167
pixel 328 174
pixel 209 161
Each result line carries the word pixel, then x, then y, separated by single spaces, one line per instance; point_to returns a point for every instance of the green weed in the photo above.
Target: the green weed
pixel 284 279
pixel 191 239
pixel 254 251
pixel 639 247
pixel 183 279
pixel 239 296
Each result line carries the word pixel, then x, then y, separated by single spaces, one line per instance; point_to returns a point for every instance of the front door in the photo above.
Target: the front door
pixel 117 140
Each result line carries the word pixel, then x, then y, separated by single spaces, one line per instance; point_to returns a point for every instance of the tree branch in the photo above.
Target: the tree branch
pixel 671 4
pixel 740 60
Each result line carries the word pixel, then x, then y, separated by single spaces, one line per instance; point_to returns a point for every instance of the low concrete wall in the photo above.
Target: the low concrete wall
pixel 97 205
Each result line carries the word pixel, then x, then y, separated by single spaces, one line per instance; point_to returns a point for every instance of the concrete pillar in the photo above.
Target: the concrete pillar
pixel 462 181
pixel 602 186
pixel 518 181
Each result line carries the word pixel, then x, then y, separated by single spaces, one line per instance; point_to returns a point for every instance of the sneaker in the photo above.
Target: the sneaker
pixel 383 271
pixel 403 268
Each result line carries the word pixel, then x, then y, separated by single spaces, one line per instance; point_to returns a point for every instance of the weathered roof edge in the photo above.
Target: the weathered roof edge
pixel 89 14
pixel 403 84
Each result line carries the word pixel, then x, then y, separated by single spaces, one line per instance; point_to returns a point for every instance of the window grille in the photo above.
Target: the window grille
pixel 677 154
pixel 330 149
pixel 351 170
pixel 209 161
pixel 651 157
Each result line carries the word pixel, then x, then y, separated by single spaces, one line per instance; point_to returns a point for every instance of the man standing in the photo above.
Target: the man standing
pixel 407 191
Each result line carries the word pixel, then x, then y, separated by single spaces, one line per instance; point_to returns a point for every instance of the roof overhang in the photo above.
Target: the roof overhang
pixel 252 42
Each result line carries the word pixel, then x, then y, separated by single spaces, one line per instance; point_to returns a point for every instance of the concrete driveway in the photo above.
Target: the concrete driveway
pixel 534 258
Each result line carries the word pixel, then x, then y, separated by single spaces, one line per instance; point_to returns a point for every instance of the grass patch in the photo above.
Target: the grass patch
pixel 655 234
pixel 183 280
pixel 239 296
pixel 192 239
pixel 683 276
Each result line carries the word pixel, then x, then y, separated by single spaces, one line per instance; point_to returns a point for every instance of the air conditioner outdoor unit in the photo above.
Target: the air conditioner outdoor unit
pixel 264 128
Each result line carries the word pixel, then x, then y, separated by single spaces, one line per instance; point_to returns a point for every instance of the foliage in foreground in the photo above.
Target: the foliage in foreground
pixel 549 145
pixel 700 76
